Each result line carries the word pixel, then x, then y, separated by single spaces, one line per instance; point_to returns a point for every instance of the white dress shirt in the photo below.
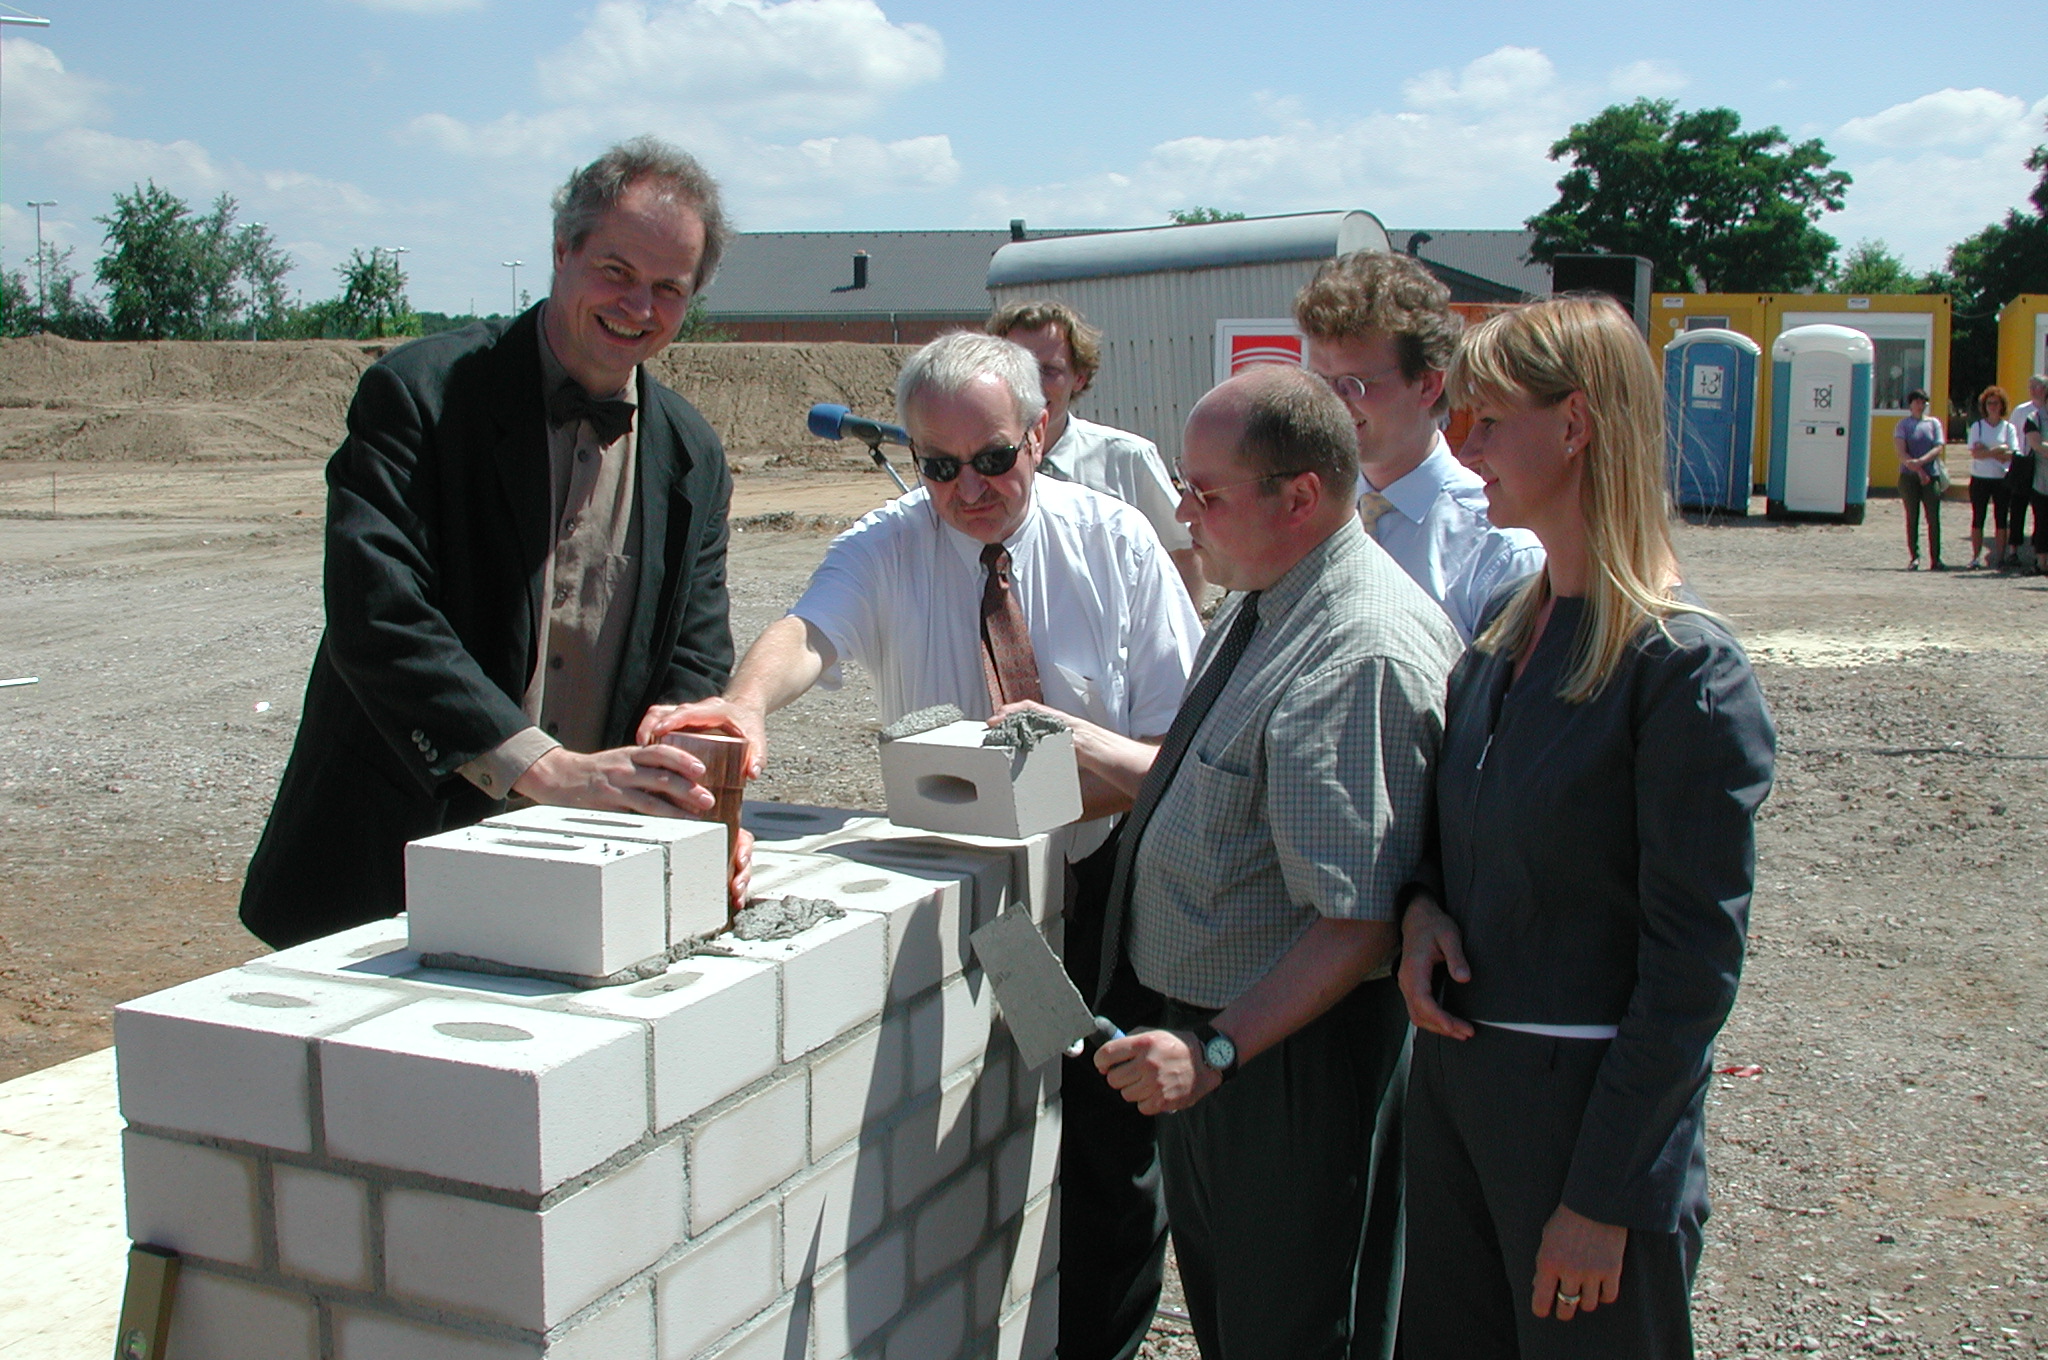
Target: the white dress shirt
pixel 1124 465
pixel 1439 533
pixel 1111 625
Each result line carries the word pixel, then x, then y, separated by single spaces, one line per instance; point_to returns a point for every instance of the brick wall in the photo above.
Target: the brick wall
pixel 821 1147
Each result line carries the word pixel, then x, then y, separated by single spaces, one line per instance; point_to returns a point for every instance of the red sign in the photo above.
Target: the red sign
pixel 1249 351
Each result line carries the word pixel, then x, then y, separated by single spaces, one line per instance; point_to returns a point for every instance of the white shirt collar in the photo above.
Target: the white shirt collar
pixel 1414 492
pixel 1021 541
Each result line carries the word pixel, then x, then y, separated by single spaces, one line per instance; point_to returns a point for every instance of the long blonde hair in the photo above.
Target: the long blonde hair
pixel 1543 352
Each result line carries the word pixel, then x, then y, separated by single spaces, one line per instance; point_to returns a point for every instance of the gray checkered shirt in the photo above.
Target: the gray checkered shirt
pixel 1306 788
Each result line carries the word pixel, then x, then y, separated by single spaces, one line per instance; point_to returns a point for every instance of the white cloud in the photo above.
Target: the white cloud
pixel 1469 145
pixel 42 95
pixel 1647 79
pixel 104 160
pixel 813 65
pixel 1935 169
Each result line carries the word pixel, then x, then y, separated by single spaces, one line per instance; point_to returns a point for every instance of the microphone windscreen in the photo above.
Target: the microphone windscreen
pixel 826 418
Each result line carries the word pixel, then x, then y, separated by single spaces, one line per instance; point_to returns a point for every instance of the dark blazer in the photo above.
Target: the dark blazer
pixel 437 540
pixel 1598 858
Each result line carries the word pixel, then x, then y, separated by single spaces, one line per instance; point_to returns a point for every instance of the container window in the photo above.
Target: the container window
pixel 1706 323
pixel 1898 367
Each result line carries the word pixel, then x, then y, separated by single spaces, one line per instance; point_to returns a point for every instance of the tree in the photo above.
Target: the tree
pixel 65 310
pixel 1987 270
pixel 170 275
pixel 1715 209
pixel 1870 267
pixel 373 300
pixel 1189 217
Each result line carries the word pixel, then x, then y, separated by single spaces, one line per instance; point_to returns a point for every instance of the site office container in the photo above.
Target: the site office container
pixel 2022 343
pixel 1180 307
pixel 1908 331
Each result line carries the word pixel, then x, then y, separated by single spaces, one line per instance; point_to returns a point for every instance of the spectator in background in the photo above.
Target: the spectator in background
pixel 1920 441
pixel 2034 440
pixel 1993 444
pixel 2019 479
pixel 1380 331
pixel 1112 461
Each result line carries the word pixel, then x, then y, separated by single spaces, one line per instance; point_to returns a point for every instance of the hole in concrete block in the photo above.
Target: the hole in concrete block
pixel 531 845
pixel 946 788
pixel 661 985
pixel 864 885
pixel 371 951
pixel 603 821
pixel 276 1001
pixel 783 815
pixel 482 1031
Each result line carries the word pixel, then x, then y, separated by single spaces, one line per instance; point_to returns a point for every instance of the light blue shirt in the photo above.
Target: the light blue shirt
pixel 1439 533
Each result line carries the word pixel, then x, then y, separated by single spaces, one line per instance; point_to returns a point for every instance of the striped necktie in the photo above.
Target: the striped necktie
pixel 1195 707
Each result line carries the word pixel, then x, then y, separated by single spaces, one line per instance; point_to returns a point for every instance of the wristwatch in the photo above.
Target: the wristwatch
pixel 1219 1051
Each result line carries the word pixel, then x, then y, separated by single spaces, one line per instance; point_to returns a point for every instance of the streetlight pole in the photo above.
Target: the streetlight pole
pixel 255 303
pixel 513 265
pixel 24 20
pixel 42 282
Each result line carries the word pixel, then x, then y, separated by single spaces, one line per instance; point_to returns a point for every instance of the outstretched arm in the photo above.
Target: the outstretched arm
pixel 784 662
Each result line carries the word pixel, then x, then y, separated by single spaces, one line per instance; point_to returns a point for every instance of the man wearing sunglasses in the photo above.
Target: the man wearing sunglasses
pixel 986 586
pixel 1380 331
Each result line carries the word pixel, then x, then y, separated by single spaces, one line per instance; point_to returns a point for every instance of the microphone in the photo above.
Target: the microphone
pixel 829 420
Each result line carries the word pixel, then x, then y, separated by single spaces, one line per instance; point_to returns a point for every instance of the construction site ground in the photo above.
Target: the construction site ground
pixel 1879 1152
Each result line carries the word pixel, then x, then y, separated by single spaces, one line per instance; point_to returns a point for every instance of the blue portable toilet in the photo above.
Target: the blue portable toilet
pixel 1820 424
pixel 1710 418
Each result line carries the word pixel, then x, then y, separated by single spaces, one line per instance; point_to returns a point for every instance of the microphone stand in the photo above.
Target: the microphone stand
pixel 881 461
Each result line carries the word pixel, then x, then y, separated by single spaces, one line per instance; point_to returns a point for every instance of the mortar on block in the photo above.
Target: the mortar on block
pixel 1013 780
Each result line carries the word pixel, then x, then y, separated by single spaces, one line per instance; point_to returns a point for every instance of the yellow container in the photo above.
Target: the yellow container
pixel 2022 343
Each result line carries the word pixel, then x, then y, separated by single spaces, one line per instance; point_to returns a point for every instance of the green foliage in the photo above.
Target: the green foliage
pixel 1715 209
pixel 171 275
pixel 1870 267
pixel 1987 270
pixel 1189 217
pixel 698 329
pixel 373 301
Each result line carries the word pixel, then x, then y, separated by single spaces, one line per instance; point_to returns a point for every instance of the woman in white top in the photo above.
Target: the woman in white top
pixel 1992 446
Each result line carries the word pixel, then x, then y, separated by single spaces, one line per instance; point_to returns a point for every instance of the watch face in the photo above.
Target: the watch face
pixel 1219 1052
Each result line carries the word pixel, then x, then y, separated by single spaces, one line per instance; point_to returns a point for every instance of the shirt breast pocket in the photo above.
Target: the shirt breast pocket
pixel 1228 820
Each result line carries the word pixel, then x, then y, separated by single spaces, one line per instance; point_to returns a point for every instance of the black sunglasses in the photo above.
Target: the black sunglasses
pixel 945 467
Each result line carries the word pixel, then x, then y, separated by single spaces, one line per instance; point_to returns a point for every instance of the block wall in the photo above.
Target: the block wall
pixel 821 1147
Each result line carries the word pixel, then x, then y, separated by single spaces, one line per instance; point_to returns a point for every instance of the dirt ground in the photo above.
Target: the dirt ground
pixel 1879 1180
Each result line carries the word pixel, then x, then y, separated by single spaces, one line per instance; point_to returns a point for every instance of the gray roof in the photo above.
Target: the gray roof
pixel 809 273
pixel 1501 256
pixel 1155 250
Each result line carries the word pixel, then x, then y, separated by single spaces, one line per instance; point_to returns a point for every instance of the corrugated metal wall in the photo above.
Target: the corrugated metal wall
pixel 1159 336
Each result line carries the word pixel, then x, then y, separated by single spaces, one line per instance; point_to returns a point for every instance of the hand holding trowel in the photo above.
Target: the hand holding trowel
pixel 1046 1015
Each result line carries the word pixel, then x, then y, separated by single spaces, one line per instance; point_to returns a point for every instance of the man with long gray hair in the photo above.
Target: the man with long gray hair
pixel 525 551
pixel 990 585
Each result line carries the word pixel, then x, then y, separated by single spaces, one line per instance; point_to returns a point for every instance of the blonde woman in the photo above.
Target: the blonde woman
pixel 1577 945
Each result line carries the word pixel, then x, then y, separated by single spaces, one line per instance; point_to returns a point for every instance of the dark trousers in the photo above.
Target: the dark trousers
pixel 1492 1122
pixel 2040 504
pixel 1268 1180
pixel 1915 494
pixel 2019 487
pixel 1112 1213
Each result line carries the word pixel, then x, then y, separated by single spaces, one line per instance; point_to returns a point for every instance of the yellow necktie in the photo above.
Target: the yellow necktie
pixel 1371 506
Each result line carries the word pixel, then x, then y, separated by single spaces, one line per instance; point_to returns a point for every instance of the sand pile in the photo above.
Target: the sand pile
pixel 185 401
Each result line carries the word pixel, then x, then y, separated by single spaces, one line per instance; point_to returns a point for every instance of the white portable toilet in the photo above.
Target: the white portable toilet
pixel 1820 424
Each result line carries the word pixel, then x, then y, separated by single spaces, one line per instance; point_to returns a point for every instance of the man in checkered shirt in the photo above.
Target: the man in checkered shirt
pixel 1261 886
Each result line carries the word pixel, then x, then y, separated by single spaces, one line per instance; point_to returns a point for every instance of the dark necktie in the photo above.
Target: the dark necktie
pixel 609 417
pixel 1007 661
pixel 1179 736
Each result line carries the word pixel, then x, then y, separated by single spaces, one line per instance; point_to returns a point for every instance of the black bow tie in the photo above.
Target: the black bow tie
pixel 609 417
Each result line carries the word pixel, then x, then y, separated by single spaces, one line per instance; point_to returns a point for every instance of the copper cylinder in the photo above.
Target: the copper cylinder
pixel 725 775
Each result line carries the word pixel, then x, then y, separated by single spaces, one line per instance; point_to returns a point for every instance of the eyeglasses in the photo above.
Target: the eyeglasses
pixel 1351 387
pixel 1203 498
pixel 944 467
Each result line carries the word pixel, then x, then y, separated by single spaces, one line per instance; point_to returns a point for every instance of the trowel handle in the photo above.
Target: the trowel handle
pixel 1105 1030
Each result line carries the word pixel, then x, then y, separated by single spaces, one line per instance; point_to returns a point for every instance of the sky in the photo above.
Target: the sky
pixel 443 125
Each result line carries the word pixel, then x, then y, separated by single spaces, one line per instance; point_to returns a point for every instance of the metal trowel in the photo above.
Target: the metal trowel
pixel 1045 1013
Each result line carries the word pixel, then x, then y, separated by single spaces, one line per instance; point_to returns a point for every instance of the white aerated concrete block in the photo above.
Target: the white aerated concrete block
pixel 983 871
pixel 532 899
pixel 951 1225
pixel 226 1055
pixel 946 780
pixel 931 1142
pixel 855 1085
pixel 533 1269
pixel 714 1022
pixel 851 1304
pixel 794 826
pixel 323 1226
pixel 771 869
pixel 950 1030
pixel 935 1327
pixel 718 1284
pixel 1030 1331
pixel 1026 1164
pixel 198 1201
pixel 832 1209
pixel 778 1336
pixel 623 1331
pixel 694 851
pixel 832 977
pixel 928 929
pixel 496 1095
pixel 379 952
pixel 217 1318
pixel 746 1151
pixel 377 1336
pixel 1038 1249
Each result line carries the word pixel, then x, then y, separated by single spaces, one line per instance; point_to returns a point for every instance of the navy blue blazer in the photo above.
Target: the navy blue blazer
pixel 437 543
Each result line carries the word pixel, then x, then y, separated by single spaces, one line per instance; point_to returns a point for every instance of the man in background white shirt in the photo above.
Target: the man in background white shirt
pixel 1112 636
pixel 1114 462
pixel 1380 330
pixel 2021 476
